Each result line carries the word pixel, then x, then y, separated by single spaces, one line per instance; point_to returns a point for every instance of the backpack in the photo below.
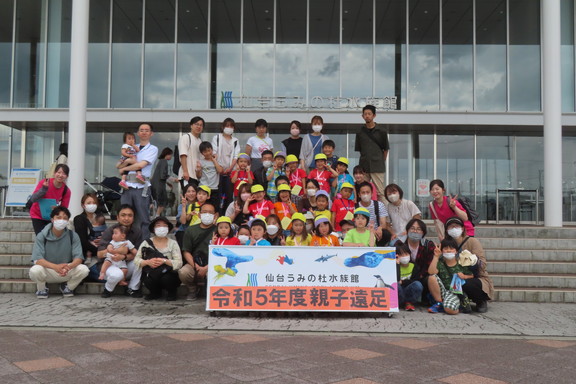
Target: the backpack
pixel 176 165
pixel 473 216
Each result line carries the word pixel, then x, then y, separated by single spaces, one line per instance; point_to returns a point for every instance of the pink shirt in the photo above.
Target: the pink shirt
pixel 52 193
pixel 445 212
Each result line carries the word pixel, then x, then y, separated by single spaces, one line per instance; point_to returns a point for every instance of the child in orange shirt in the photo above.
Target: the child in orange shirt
pixel 324 236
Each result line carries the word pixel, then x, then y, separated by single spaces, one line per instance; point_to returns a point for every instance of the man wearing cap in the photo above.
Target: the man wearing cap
pixel 138 194
pixel 372 143
pixel 277 169
pixel 195 249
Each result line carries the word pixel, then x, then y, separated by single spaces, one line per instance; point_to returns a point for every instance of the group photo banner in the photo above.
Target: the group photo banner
pixel 331 279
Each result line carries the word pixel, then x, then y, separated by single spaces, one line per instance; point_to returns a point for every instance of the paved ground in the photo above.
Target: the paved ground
pixel 86 339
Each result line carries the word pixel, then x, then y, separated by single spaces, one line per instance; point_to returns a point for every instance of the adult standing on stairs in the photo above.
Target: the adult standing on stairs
pixel 480 288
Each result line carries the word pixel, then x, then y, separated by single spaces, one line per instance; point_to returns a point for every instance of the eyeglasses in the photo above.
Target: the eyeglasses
pixel 415 229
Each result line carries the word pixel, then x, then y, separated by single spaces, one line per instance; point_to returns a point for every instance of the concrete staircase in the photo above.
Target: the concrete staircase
pixel 527 264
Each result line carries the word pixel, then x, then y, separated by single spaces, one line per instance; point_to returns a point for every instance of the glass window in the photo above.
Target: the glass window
pixel 93 154
pixel 98 54
pixel 524 55
pixel 258 50
pixel 569 177
pixel 400 163
pixel 58 55
pixel 5 134
pixel 29 54
pixel 159 54
pixel 324 49
pixel 225 50
pixel 455 164
pixel 6 17
pixel 424 52
pixel 423 145
pixel 192 71
pixel 291 48
pixel 457 72
pixel 567 55
pixel 491 80
pixel 357 48
pixel 42 148
pixel 126 54
pixel 390 50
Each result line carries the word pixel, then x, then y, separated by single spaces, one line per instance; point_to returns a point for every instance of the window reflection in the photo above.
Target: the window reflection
pixel 423 145
pixel 424 51
pixel 257 69
pixel 491 79
pixel 126 53
pixel 42 148
pixel 567 55
pixel 6 17
pixel 58 53
pixel 324 67
pixel 291 70
pixel 98 54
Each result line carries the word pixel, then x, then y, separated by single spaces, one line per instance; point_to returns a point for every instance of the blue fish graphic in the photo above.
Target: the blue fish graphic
pixel 232 258
pixel 325 258
pixel 368 259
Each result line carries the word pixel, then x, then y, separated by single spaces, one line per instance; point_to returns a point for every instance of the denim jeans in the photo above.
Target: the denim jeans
pixel 411 293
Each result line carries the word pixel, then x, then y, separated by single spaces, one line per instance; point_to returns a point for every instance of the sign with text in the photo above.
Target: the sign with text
pixel 336 279
pixel 422 188
pixel 21 185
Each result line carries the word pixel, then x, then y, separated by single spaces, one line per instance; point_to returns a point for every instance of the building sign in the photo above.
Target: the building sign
pixel 335 279
pixel 422 188
pixel 21 185
pixel 227 101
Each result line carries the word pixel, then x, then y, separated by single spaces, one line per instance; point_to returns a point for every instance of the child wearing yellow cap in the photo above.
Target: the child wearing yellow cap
pixel 361 236
pixel 224 235
pixel 343 177
pixel 296 175
pixel 243 173
pixel 299 236
pixel 341 206
pixel 257 204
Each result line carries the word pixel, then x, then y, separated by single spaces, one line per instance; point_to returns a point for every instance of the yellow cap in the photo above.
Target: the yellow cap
pixel 223 219
pixel 206 189
pixel 320 156
pixel 347 185
pixel 284 187
pixel 298 216
pixel 291 159
pixel 343 160
pixel 240 183
pixel 362 211
pixel 257 188
pixel 260 217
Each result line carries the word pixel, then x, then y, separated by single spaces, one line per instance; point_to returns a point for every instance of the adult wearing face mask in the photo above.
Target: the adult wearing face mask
pixel 378 214
pixel 480 288
pixel 312 144
pixel 227 148
pixel 293 144
pixel 255 148
pixel 57 256
pixel 421 249
pixel 195 249
pixel 84 225
pixel 400 210
pixel 159 258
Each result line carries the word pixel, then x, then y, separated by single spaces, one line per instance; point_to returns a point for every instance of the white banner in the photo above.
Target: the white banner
pixel 337 279
pixel 21 185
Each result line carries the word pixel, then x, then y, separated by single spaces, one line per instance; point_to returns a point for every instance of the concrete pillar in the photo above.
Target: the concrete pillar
pixel 552 108
pixel 78 96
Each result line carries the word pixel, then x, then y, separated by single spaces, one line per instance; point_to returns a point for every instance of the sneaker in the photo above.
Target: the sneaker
pixel 43 294
pixel 135 293
pixel 436 308
pixel 123 185
pixel 465 305
pixel 66 292
pixel 482 307
pixel 106 293
pixel 409 307
pixel 192 294
pixel 140 179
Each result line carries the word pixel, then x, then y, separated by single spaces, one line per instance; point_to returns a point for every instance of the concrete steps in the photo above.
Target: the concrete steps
pixel 527 264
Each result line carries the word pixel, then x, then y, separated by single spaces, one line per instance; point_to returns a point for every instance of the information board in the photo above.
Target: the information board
pixel 333 279
pixel 21 185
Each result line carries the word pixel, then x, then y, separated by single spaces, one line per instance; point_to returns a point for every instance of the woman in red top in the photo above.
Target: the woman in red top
pixel 256 204
pixel 54 188
pixel 223 234
pixel 443 207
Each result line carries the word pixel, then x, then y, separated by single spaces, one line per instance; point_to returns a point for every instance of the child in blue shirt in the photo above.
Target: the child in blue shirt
pixel 257 231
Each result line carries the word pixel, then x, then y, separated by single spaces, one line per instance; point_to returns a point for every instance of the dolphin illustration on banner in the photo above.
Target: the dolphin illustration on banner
pixel 232 258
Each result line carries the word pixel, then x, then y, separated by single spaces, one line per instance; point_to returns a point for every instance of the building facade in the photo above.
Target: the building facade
pixel 458 83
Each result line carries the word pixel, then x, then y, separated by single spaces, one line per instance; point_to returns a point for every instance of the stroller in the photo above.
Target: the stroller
pixel 108 195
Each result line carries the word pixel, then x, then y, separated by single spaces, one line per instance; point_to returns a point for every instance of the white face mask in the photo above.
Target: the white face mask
pixel 228 131
pixel 449 256
pixel 60 224
pixel 267 164
pixel 311 192
pixel 245 196
pixel 90 208
pixel 366 198
pixel 393 198
pixel 316 128
pixel 295 132
pixel 161 231
pixel 207 218
pixel 455 232
pixel 272 229
pixel 404 259
pixel 415 235
pixel 243 239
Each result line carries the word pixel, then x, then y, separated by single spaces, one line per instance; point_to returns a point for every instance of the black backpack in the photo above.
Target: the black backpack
pixel 473 216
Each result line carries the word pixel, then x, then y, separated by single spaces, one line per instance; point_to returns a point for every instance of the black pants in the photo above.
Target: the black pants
pixel 226 194
pixel 168 281
pixel 473 288
pixel 39 225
